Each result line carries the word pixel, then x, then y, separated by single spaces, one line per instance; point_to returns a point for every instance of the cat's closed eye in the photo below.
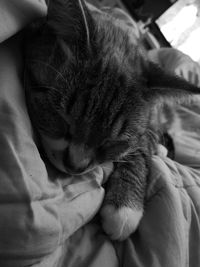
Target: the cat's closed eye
pixel 112 150
pixel 40 88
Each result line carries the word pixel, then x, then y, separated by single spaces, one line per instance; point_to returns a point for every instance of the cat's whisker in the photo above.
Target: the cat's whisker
pixel 45 86
pixel 106 168
pixel 152 135
pixel 134 154
pixel 50 66
pixel 57 90
pixel 120 161
pixel 135 151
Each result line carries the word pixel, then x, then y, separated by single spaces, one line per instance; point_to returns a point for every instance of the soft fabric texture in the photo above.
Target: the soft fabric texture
pixel 14 15
pixel 44 217
pixel 185 127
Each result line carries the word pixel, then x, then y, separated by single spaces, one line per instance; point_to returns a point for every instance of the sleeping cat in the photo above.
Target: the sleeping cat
pixel 90 92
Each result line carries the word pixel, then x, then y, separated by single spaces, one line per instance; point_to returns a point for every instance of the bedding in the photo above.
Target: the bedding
pixel 47 220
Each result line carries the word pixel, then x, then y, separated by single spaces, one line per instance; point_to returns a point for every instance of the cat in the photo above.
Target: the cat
pixel 91 93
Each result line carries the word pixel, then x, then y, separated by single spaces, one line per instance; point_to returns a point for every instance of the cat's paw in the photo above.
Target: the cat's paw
pixel 162 151
pixel 120 223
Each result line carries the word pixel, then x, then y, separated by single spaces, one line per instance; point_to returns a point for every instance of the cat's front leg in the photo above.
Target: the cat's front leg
pixel 124 199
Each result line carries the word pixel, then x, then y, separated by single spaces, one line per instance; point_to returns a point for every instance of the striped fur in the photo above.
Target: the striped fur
pixel 90 97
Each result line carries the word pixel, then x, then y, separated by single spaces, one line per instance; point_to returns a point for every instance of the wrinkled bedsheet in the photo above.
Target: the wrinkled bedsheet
pixel 48 221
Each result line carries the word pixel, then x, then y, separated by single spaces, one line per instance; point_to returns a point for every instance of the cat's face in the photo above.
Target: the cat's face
pixel 80 93
pixel 88 90
pixel 88 133
pixel 73 157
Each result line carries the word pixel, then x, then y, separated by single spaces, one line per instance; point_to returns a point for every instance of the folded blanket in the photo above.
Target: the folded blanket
pixel 44 216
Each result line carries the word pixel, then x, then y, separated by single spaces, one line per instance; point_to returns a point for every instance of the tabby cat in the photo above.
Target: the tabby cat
pixel 90 94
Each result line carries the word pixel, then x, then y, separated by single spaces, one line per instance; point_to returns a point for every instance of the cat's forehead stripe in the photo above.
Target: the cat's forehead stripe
pixel 117 126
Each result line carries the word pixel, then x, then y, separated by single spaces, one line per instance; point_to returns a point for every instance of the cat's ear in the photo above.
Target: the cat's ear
pixel 70 19
pixel 163 86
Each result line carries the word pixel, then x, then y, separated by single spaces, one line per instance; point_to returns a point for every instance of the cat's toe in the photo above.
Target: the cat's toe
pixel 162 151
pixel 120 223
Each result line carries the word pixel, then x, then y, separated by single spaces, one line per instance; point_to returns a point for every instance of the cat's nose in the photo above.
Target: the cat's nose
pixel 72 168
pixel 74 164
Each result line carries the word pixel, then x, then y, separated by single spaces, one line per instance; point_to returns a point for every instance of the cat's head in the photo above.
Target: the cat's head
pixel 90 89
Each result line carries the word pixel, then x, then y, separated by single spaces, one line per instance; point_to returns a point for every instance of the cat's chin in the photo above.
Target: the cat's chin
pixel 59 166
pixel 80 173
